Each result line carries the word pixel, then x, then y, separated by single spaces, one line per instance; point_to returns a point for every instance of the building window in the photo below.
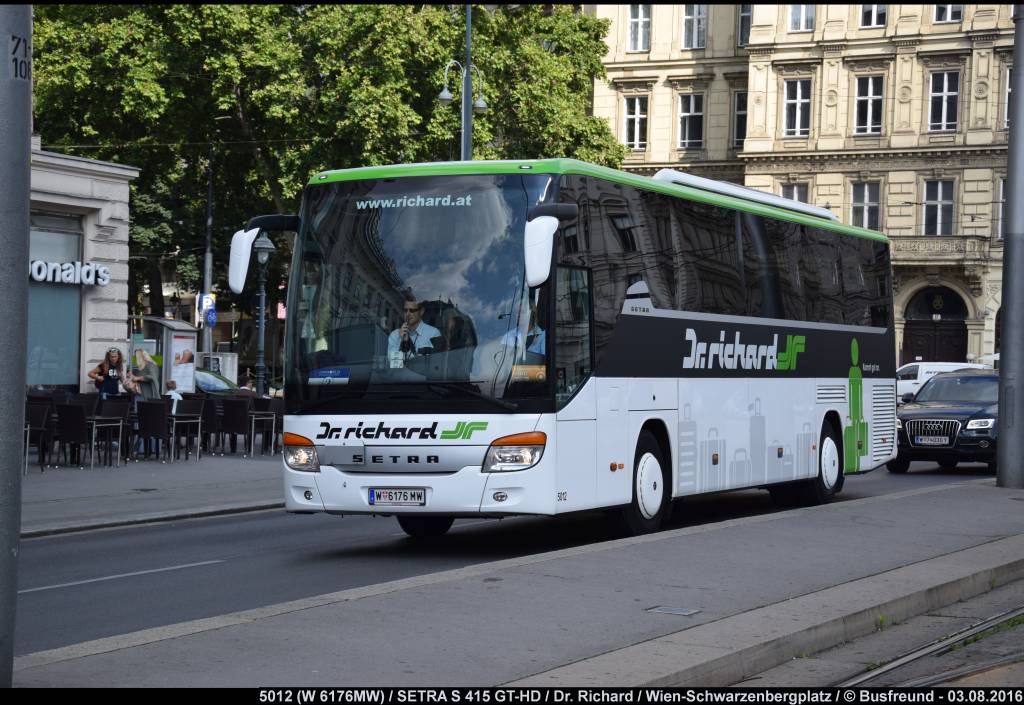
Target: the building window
pixel 938 207
pixel 54 342
pixel 691 121
pixel 945 94
pixel 795 192
pixel 739 133
pixel 743 36
pixel 1006 111
pixel 639 28
pixel 1003 206
pixel 798 108
pixel 695 21
pixel 801 18
pixel 866 205
pixel 949 13
pixel 872 16
pixel 869 105
pixel 636 122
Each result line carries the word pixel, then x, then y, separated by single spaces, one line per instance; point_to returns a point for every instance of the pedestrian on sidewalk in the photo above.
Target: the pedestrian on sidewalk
pixel 173 393
pixel 109 374
pixel 146 376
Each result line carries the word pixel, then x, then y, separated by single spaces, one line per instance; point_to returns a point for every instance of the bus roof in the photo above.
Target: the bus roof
pixel 573 166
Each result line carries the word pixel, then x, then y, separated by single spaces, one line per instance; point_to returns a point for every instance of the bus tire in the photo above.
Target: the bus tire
pixel 898 465
pixel 425 527
pixel 823 488
pixel 652 492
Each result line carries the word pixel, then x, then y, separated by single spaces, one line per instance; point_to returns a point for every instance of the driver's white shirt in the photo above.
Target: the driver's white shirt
pixel 420 338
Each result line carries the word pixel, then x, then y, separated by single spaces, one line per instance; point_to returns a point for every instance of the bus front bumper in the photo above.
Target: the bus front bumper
pixel 466 493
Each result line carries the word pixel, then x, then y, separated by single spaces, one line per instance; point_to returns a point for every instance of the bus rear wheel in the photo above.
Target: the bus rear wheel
pixel 652 493
pixel 425 527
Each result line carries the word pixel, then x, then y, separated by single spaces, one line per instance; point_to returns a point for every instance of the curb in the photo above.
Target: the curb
pixel 149 519
pixel 726 651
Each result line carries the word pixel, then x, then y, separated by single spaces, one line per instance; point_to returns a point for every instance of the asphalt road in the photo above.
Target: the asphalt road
pixel 78 587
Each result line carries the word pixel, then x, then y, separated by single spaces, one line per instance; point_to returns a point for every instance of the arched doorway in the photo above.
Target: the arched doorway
pixel 936 328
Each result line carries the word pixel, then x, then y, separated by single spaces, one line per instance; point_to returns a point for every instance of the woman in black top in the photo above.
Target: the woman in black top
pixel 109 373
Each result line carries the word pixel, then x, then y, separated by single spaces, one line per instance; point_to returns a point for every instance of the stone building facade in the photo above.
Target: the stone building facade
pixel 894 117
pixel 78 266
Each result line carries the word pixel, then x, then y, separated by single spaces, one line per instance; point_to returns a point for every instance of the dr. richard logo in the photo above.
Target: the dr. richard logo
pixel 736 354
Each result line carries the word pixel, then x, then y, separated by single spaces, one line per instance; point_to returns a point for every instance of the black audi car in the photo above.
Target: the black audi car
pixel 952 418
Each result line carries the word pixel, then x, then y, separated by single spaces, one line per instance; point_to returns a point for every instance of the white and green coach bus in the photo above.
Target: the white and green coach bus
pixel 544 337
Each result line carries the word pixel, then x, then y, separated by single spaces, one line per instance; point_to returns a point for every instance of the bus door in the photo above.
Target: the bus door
pixel 576 400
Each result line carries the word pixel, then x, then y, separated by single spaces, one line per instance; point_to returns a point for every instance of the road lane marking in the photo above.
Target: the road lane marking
pixel 118 576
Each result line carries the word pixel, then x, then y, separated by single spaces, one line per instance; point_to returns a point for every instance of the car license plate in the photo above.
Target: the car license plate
pixel 933 440
pixel 398 496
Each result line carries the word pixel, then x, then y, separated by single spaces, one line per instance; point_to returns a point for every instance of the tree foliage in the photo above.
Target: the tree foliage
pixel 284 91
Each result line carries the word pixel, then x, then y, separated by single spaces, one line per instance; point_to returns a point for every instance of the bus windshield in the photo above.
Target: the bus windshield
pixel 408 296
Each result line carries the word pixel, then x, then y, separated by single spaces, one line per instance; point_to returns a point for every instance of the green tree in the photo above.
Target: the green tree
pixel 284 91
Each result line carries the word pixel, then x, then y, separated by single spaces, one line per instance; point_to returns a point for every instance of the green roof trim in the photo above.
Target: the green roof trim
pixel 573 166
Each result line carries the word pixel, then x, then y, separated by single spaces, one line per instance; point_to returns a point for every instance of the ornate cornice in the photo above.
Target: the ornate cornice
pixel 698 80
pixel 944 58
pixel 917 160
pixel 794 67
pixel 633 83
pixel 736 78
pixel 879 62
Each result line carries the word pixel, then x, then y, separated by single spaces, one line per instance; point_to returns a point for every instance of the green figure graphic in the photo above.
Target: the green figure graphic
pixel 855 436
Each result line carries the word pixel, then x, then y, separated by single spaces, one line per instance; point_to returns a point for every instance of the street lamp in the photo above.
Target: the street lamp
pixel 468 108
pixel 263 247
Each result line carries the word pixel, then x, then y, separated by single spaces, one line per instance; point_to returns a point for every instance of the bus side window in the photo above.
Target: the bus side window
pixel 711 277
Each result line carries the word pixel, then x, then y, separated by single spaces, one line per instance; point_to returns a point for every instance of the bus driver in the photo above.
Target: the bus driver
pixel 414 336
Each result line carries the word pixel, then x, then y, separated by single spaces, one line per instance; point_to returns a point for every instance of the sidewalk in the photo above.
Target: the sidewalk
pixel 68 498
pixel 762 590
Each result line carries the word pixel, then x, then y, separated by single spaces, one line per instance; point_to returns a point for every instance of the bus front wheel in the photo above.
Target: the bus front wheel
pixel 425 527
pixel 652 493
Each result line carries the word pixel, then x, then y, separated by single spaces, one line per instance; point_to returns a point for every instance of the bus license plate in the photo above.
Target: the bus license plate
pixel 398 496
pixel 933 440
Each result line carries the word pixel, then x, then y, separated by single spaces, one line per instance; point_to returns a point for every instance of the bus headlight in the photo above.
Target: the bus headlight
pixel 300 453
pixel 980 423
pixel 517 452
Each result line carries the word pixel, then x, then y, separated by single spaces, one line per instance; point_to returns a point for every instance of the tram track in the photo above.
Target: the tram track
pixel 940 647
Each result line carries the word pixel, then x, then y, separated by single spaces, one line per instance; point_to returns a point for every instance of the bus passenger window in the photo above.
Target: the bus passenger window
pixel 572 341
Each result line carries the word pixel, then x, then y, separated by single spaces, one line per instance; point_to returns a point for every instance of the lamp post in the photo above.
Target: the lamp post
pixel 208 257
pixel 477 106
pixel 263 247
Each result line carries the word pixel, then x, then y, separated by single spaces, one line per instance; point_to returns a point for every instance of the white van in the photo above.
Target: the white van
pixel 911 376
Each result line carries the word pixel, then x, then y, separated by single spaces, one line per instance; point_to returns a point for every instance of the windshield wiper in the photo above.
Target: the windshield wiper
pixel 467 387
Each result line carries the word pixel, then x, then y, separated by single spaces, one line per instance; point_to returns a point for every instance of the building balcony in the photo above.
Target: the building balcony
pixel 940 249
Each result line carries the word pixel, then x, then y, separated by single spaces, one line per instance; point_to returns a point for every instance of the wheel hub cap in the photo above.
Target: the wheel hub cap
pixel 829 463
pixel 649 487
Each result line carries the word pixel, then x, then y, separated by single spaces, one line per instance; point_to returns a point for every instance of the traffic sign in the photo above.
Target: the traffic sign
pixel 211 316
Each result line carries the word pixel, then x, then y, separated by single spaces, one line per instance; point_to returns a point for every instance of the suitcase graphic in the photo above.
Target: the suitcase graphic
pixel 758 436
pixel 686 478
pixel 779 466
pixel 712 475
pixel 740 469
pixel 855 445
pixel 806 453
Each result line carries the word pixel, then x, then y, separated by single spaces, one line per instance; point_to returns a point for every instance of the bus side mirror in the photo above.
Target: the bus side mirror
pixel 537 248
pixel 238 265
